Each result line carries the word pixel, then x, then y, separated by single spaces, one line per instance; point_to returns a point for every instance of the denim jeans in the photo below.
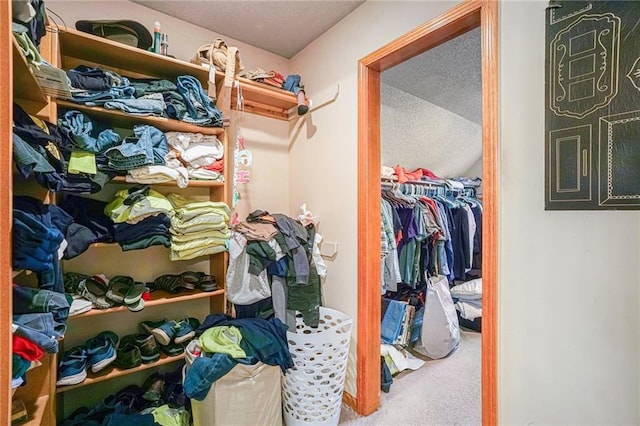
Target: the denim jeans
pixel 392 321
pixel 27 300
pixel 148 146
pixel 204 371
pixel 149 105
pixel 84 132
pixel 201 109
pixel 292 83
pixel 99 98
pixel 41 329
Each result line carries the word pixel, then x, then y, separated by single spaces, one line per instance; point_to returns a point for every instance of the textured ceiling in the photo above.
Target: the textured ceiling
pixel 280 27
pixel 448 76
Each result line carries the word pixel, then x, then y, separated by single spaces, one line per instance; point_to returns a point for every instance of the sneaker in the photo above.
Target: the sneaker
pixel 173 349
pixel 149 350
pixel 162 331
pixel 183 330
pixel 153 387
pixel 128 356
pixel 72 368
pixel 101 350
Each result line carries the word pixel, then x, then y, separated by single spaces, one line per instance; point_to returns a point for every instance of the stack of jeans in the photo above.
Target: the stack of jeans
pixel 201 110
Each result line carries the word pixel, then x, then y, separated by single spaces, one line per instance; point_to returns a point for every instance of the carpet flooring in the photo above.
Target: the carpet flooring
pixel 442 392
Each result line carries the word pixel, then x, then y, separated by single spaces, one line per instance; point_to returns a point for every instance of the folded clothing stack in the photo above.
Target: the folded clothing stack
pixel 197 227
pixel 201 154
pixel 141 216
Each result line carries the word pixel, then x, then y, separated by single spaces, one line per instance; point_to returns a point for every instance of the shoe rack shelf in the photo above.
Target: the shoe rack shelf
pixel 117 372
pixel 78 48
pixel 158 297
pixel 25 86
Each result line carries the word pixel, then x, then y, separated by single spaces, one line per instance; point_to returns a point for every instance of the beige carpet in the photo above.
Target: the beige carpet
pixel 442 392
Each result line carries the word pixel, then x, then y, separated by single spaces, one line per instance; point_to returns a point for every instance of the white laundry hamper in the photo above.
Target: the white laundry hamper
pixel 312 389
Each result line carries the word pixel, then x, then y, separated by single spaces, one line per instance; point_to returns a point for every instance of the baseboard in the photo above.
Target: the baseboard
pixel 349 400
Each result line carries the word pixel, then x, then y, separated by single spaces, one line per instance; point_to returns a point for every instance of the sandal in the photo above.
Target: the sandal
pixel 200 280
pixel 208 283
pixel 95 291
pixel 119 287
pixel 170 283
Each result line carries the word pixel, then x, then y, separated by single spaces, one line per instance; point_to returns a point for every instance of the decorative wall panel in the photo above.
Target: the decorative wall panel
pixel 592 105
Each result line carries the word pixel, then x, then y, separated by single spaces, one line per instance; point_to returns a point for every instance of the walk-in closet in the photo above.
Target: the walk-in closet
pixel 431 238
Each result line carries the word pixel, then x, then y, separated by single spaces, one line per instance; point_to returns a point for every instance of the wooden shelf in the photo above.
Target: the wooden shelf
pixel 192 183
pixel 263 99
pixel 78 48
pixel 118 118
pixel 25 86
pixel 36 410
pixel 112 373
pixel 158 297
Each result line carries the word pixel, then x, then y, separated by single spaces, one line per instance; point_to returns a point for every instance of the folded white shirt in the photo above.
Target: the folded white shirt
pixel 204 174
pixel 210 151
pixel 181 140
pixel 158 174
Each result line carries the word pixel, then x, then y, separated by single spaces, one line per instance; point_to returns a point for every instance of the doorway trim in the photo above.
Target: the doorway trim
pixel 460 19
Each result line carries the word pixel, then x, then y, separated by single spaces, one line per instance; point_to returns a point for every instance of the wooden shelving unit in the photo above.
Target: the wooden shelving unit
pixel 78 48
pixel 192 183
pixel 116 372
pixel 36 410
pixel 25 86
pixel 263 99
pixel 158 297
pixel 120 119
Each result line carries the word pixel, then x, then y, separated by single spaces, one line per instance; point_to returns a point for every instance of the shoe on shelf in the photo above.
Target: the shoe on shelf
pixel 128 356
pixel 162 331
pixel 153 387
pixel 72 368
pixel 173 349
pixel 130 398
pixel 149 350
pixel 183 330
pixel 101 350
pixel 169 282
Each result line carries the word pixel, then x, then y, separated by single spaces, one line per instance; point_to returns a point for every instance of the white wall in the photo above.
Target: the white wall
pixel 568 293
pixel 416 133
pixel 568 297
pixel 266 139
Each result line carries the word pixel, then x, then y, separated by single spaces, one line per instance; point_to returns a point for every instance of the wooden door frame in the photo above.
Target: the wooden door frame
pixel 458 20
pixel 6 92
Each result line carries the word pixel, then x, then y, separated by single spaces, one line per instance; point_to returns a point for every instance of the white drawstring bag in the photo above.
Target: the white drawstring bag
pixel 440 329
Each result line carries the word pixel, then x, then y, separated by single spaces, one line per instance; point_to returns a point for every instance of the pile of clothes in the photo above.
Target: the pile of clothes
pixel 183 100
pixel 275 268
pixel 202 155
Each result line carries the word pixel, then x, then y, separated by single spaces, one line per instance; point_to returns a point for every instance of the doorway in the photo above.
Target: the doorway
pixel 462 18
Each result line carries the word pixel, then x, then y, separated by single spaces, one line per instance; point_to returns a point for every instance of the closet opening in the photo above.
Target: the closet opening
pixel 459 20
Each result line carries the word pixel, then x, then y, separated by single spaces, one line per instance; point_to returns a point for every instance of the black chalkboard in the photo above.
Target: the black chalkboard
pixel 592 108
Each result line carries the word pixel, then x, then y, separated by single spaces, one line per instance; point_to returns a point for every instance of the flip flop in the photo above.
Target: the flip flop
pixel 94 291
pixel 119 287
pixel 134 295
